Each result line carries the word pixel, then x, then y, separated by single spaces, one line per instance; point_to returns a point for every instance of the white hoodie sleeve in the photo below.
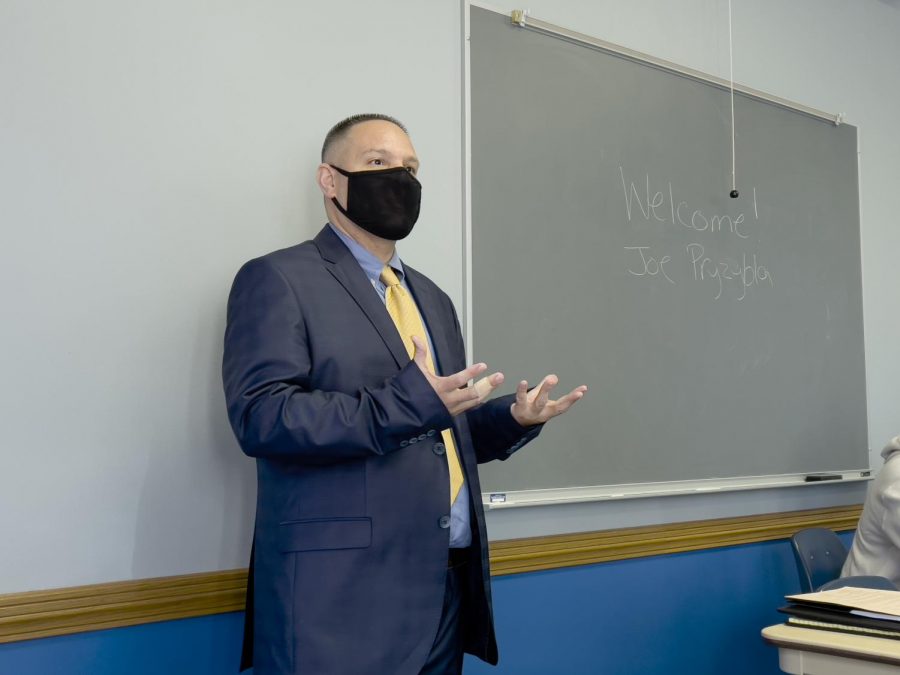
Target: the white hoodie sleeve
pixel 890 492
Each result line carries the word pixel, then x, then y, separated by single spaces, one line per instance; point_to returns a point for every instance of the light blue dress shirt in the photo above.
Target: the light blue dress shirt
pixel 460 528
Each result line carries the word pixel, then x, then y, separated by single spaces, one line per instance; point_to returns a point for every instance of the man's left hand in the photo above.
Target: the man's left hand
pixel 536 406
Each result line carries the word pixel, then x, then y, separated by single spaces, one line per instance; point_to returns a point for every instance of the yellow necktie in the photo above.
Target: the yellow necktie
pixel 405 314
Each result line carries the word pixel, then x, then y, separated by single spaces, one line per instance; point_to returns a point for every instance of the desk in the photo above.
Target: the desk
pixel 804 651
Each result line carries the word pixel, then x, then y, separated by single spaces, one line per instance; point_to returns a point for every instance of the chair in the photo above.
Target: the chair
pixel 820 554
pixel 861 581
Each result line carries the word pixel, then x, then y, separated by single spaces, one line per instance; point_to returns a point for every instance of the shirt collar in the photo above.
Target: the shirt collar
pixel 370 264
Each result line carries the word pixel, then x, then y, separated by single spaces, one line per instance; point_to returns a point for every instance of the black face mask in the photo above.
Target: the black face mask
pixel 384 202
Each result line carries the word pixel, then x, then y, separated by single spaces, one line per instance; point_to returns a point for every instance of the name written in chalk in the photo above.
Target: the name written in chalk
pixel 741 269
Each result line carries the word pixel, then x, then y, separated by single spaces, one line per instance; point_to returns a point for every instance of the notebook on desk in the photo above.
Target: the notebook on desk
pixel 861 611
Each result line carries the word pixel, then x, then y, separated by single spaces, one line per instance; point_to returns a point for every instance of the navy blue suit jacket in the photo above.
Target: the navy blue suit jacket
pixel 350 549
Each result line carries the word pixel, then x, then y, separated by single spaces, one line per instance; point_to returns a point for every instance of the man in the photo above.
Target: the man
pixel 876 546
pixel 345 378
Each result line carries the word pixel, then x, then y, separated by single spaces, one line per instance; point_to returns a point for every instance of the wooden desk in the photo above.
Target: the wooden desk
pixel 804 651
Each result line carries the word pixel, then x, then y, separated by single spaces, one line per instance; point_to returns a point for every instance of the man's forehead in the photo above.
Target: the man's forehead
pixel 378 135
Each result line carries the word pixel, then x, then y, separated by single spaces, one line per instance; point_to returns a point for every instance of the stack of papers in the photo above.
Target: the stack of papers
pixel 863 611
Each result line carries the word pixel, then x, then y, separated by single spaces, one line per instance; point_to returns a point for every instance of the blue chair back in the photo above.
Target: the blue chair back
pixel 820 555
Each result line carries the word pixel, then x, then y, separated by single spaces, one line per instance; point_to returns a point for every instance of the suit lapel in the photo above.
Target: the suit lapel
pixel 428 304
pixel 343 266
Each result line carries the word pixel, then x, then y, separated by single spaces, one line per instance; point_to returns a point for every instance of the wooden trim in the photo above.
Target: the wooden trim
pixel 515 556
pixel 123 603
pixel 36 614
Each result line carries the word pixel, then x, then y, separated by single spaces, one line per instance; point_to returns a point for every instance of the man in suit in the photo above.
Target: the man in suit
pixel 345 377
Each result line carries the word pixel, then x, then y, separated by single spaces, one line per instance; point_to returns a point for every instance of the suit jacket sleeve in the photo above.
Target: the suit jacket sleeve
pixel 495 432
pixel 273 409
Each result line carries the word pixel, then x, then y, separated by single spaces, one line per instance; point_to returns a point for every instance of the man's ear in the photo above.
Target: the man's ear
pixel 325 181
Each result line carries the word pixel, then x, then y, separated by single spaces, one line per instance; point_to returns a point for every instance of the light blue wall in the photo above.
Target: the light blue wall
pixel 683 614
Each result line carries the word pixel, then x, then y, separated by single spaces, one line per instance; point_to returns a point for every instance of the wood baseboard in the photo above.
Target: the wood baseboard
pixel 36 614
pixel 515 556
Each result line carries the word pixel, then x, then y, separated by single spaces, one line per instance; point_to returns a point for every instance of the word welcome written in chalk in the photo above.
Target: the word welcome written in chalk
pixel 678 212
pixel 743 269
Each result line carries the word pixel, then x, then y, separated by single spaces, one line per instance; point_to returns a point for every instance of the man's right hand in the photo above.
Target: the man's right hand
pixel 454 390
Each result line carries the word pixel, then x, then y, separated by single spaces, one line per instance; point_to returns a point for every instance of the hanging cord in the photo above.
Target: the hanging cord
pixel 734 192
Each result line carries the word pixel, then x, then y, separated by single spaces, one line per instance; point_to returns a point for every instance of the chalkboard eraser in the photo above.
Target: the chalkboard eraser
pixel 816 477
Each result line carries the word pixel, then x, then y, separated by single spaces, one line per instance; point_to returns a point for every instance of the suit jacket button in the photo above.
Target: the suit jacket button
pixel 444 522
pixel 403 444
pixel 422 437
pixel 431 432
pixel 413 440
pixel 439 448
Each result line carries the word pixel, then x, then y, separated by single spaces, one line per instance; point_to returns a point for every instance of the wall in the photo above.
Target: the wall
pixel 694 613
pixel 210 645
pixel 151 147
pixel 662 615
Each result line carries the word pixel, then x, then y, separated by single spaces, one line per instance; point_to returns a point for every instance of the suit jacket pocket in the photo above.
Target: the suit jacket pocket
pixel 324 534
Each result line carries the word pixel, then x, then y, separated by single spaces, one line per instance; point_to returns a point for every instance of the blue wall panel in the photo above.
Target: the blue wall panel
pixel 207 645
pixel 686 614
pixel 683 614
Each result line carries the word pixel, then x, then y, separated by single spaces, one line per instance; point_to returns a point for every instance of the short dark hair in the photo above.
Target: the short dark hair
pixel 339 130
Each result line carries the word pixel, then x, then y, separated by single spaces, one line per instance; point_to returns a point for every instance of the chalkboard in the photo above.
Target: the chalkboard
pixel 720 337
